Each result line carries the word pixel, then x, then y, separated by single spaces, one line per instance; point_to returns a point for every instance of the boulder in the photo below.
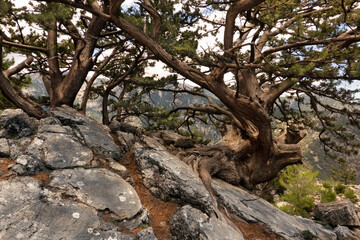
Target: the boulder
pixel 63 151
pixel 94 135
pixel 103 190
pixel 253 209
pixel 166 176
pixel 146 234
pixel 27 213
pixel 344 233
pixel 4 148
pixel 189 223
pixel 30 165
pixel 337 213
pixel 17 123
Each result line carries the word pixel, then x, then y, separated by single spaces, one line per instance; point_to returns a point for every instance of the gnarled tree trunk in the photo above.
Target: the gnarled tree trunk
pixel 15 96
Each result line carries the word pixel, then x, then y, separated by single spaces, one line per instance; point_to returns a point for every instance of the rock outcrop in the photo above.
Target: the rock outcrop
pixel 68 196
pixel 64 181
pixel 337 213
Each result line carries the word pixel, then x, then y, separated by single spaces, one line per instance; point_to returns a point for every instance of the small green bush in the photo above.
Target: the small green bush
pixel 327 195
pixel 327 185
pixel 301 189
pixel 350 194
pixel 340 188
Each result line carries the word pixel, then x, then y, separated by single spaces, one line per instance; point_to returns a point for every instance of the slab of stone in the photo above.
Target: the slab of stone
pixel 256 210
pixel 25 213
pixel 100 189
pixel 119 169
pixel 344 233
pixel 15 149
pixel 30 165
pixel 95 136
pixel 4 148
pixel 189 223
pixel 146 234
pixel 62 151
pixel 341 213
pixel 17 123
pixel 35 148
pixel 166 176
pixel 99 141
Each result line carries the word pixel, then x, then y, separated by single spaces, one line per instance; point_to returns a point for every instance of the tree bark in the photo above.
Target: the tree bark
pixel 20 100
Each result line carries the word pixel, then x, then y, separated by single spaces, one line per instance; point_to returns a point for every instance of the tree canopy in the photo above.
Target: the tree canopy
pixel 266 62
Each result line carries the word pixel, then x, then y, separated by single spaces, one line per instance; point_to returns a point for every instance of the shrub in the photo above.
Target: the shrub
pixel 327 185
pixel 301 188
pixel 350 194
pixel 340 188
pixel 327 194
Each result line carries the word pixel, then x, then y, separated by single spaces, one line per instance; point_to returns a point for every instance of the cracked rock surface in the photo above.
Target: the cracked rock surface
pixel 99 188
pixel 254 209
pixel 26 212
pixel 63 180
pixel 190 223
pixel 166 176
pixel 81 198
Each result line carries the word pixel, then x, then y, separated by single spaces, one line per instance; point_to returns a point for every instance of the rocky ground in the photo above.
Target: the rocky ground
pixel 67 177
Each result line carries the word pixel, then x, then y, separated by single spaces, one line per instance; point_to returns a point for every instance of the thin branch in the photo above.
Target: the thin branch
pixel 156 18
pixel 11 71
pixel 311 42
pixel 25 46
pixel 235 9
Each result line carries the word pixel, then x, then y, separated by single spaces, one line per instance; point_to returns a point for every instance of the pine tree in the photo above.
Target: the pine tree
pixel 343 172
pixel 300 183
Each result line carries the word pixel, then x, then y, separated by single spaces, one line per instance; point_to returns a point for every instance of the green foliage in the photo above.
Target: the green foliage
pixel 327 194
pixel 340 188
pixel 350 194
pixel 301 188
pixel 343 172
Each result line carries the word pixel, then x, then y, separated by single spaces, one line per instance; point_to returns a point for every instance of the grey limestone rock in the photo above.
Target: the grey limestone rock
pixel 146 234
pixel 102 190
pixel 63 151
pixel 256 210
pixel 337 213
pixel 17 123
pixel 25 213
pixel 189 223
pixel 30 164
pixel 125 127
pixel 4 148
pixel 119 169
pixel 344 233
pixel 94 135
pixel 166 176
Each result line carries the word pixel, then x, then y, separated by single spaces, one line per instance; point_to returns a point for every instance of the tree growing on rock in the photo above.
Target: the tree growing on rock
pixel 276 61
pixel 306 49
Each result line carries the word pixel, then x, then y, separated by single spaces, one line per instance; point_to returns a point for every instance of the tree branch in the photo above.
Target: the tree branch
pixel 188 72
pixel 236 8
pixel 20 100
pixel 311 42
pixel 24 46
pixel 14 70
pixel 156 18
